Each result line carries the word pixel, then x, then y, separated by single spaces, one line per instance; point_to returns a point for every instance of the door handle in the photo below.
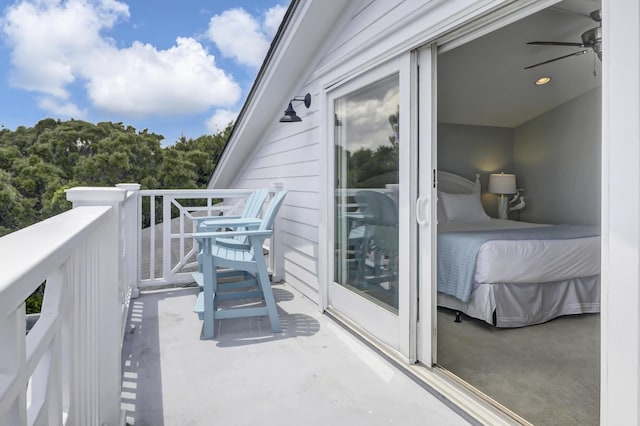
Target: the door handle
pixel 422 214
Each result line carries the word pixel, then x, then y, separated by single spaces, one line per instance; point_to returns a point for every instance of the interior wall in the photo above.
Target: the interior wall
pixel 557 159
pixel 467 150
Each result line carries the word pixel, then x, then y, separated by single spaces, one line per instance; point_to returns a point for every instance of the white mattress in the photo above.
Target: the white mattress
pixel 530 261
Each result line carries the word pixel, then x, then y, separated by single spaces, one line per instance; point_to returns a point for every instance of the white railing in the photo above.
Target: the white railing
pixel 167 250
pixel 66 370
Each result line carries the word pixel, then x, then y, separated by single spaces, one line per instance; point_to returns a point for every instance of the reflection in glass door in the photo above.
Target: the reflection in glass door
pixel 366 138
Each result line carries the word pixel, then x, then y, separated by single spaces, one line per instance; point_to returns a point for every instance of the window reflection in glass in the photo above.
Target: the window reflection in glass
pixel 366 190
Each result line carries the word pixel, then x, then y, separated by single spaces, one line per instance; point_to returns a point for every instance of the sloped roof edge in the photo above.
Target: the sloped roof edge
pixel 297 40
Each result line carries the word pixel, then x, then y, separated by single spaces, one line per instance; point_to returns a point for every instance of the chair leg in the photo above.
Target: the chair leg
pixel 210 285
pixel 267 291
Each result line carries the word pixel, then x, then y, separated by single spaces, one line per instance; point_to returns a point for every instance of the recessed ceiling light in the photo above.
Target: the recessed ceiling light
pixel 542 81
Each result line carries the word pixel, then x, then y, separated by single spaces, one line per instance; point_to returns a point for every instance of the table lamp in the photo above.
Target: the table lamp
pixel 502 184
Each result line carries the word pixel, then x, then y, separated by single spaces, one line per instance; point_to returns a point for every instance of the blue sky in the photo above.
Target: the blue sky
pixel 172 67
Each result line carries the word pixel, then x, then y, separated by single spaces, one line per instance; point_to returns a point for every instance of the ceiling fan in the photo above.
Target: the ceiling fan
pixel 591 39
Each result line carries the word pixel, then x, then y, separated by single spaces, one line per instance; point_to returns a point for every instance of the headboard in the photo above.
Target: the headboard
pixel 455 184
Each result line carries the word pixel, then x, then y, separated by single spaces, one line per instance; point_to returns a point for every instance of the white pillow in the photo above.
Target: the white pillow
pixel 465 208
pixel 442 216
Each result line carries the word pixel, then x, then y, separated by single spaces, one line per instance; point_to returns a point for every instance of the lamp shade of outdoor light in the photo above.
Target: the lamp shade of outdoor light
pixel 502 183
pixel 290 115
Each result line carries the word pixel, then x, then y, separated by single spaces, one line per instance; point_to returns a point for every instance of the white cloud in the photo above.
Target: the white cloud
pixel 272 19
pixel 141 80
pixel 241 36
pixel 61 109
pixel 237 34
pixel 56 43
pixel 220 120
pixel 49 39
pixel 366 117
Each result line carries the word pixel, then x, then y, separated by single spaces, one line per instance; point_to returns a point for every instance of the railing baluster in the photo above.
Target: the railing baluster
pixel 166 236
pixel 182 213
pixel 13 403
pixel 152 238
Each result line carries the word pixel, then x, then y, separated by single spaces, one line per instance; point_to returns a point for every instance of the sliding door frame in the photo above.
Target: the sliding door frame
pixel 396 332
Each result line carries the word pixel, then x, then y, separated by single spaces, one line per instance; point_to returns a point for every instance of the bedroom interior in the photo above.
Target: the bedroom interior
pixel 493 118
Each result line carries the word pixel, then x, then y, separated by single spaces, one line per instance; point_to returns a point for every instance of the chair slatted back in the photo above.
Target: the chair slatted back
pixel 254 203
pixel 272 211
pixel 270 214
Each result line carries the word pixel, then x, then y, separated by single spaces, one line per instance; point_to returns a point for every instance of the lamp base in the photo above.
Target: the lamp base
pixel 502 208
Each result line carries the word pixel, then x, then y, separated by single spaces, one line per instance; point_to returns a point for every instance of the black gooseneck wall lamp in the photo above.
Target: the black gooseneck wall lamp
pixel 290 114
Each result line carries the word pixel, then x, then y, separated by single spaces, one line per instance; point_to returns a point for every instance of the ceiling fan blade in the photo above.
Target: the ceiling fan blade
pixel 555 43
pixel 582 52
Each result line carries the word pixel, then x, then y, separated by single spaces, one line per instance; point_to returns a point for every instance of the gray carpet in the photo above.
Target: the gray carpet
pixel 548 373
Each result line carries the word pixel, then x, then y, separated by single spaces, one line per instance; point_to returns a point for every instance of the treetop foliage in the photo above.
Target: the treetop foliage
pixel 38 163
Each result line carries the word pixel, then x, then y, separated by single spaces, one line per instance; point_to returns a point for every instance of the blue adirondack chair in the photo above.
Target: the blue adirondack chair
pixel 252 207
pixel 248 260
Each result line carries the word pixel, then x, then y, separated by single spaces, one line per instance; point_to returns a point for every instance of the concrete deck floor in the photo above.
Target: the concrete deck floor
pixel 313 373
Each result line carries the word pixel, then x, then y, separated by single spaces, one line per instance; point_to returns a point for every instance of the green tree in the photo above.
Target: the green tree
pixel 38 163
pixel 8 155
pixel 177 171
pixel 34 177
pixel 121 157
pixel 15 210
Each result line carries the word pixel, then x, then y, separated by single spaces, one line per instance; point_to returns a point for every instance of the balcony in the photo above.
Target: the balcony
pixel 117 342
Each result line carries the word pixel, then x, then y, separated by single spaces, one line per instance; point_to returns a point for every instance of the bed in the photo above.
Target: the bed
pixel 511 273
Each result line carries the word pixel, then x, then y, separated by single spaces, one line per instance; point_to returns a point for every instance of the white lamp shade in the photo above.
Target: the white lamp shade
pixel 502 183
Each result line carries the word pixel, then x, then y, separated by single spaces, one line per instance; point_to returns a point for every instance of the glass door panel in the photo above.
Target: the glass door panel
pixel 366 141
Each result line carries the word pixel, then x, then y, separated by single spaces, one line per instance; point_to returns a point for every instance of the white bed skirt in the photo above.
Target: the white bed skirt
pixel 522 304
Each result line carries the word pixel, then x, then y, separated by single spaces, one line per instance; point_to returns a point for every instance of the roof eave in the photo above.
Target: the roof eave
pixel 299 36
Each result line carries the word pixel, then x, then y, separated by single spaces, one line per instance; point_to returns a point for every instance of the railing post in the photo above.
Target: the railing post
pixel 109 306
pixel 276 255
pixel 132 228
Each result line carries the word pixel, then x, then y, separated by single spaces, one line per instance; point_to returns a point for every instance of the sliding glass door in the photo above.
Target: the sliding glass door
pixel 370 233
pixel 366 188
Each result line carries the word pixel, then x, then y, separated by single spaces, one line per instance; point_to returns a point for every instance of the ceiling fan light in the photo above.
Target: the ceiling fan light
pixel 543 80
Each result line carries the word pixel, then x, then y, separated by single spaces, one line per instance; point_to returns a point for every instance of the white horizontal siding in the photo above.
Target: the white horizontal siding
pixel 290 155
pixel 300 278
pixel 300 214
pixel 301 155
pixel 304 168
pixel 301 260
pixel 303 245
pixel 365 19
pixel 304 199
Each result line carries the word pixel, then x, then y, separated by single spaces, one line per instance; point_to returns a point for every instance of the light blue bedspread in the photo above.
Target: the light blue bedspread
pixel 457 252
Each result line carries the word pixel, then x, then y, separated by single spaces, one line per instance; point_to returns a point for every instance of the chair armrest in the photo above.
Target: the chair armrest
pixel 225 234
pixel 232 223
pixel 200 219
